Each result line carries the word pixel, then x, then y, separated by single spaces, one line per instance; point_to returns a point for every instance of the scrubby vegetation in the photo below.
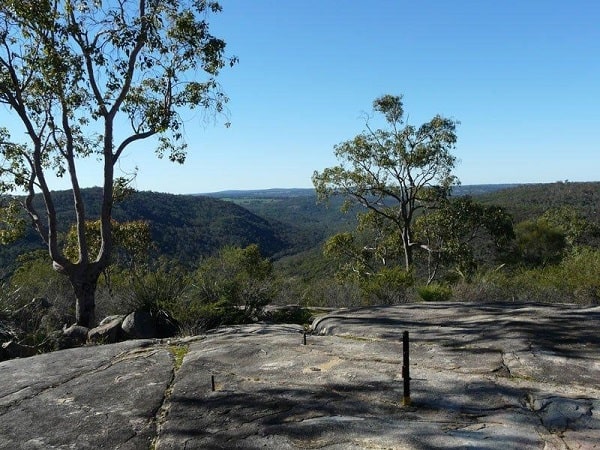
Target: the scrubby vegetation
pixel 553 256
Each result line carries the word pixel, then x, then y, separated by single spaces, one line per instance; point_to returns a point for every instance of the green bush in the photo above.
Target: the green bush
pixel 435 293
pixel 386 287
pixel 297 315
pixel 539 243
pixel 331 293
pixel 573 280
pixel 231 287
pixel 160 289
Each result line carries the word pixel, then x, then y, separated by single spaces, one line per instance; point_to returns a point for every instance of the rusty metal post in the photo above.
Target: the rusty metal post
pixel 305 338
pixel 405 369
pixel 212 382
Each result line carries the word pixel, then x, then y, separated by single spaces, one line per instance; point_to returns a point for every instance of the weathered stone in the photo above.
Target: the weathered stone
pixel 85 398
pixel 140 325
pixel 73 336
pixel 482 376
pixel 12 349
pixel 107 332
pixel 144 325
pixel 108 319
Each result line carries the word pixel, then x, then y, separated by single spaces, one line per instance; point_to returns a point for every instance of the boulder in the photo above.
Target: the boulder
pixel 140 325
pixel 108 332
pixel 487 376
pixel 12 349
pixel 73 336
pixel 108 319
pixel 144 325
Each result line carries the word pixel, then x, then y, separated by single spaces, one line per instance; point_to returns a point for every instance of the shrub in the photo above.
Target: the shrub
pixel 331 293
pixel 386 287
pixel 573 280
pixel 539 243
pixel 297 315
pixel 435 293
pixel 230 288
pixel 479 289
pixel 160 289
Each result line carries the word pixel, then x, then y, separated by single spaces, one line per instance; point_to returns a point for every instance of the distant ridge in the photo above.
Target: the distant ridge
pixel 271 193
pixel 184 228
pixel 474 189
pixel 283 221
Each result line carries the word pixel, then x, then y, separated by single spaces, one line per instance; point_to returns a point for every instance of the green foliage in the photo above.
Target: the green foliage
pixel 577 275
pixel 213 292
pixel 35 279
pixel 327 292
pixel 297 315
pixel 539 243
pixel 435 293
pixel 12 225
pixel 159 289
pixel 237 280
pixel 232 287
pixel 132 240
pixel 178 352
pixel 184 228
pixel 393 172
pixel 352 260
pixel 462 235
pixel 386 287
pixel 573 280
pixel 531 201
pixel 70 71
pixel 571 223
pixel 189 228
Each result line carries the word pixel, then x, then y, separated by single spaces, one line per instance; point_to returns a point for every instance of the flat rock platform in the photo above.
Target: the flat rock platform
pixel 483 376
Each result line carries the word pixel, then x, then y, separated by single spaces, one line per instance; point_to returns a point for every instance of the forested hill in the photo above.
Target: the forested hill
pixel 531 200
pixel 282 221
pixel 299 207
pixel 189 227
pixel 184 227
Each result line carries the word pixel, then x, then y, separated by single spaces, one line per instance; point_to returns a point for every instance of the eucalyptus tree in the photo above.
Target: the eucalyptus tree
pixel 393 172
pixel 462 234
pixel 87 79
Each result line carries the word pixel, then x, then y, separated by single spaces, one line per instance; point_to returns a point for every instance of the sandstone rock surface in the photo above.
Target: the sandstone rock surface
pixel 483 376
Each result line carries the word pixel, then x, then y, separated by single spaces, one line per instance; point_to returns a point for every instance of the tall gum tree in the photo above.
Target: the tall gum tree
pixel 393 172
pixel 71 71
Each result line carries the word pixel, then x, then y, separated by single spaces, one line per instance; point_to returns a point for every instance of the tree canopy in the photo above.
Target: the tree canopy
pixel 394 171
pixel 71 71
pixel 463 233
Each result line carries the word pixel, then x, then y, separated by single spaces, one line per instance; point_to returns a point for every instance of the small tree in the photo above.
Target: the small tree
pixel 234 286
pixel 393 172
pixel 71 71
pixel 539 242
pixel 462 233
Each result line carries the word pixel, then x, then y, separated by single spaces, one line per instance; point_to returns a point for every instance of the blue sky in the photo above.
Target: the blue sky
pixel 522 77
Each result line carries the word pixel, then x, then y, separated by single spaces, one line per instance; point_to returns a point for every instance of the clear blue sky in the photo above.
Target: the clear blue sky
pixel 522 77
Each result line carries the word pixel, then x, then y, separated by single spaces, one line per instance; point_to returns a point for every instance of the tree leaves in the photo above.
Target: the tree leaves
pixel 393 172
pixel 12 225
pixel 75 71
